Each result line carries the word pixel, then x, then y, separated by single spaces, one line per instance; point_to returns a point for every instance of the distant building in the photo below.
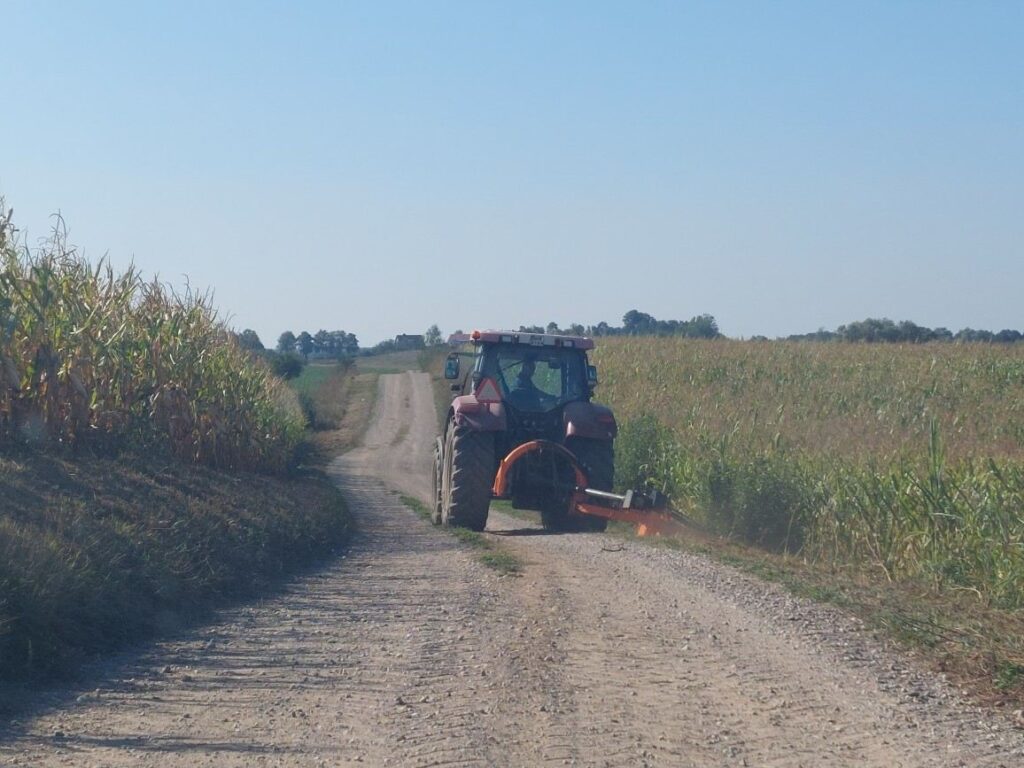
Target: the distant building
pixel 409 341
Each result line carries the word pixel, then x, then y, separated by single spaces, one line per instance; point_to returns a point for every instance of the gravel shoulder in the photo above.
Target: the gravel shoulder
pixel 406 651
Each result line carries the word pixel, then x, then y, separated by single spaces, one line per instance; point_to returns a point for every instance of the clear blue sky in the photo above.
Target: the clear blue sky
pixel 379 167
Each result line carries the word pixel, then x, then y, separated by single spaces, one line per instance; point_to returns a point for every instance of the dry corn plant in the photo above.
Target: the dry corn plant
pixel 90 356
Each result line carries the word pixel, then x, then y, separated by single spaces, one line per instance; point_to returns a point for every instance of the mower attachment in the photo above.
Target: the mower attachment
pixel 647 509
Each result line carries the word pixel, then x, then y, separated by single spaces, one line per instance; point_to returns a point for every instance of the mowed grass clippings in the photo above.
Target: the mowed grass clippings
pixel 95 553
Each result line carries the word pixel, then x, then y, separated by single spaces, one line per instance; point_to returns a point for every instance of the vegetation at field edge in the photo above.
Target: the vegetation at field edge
pixel 903 464
pixel 92 357
pixel 148 462
pixel 909 458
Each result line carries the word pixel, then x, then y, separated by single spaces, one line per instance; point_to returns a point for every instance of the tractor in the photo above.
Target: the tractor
pixel 522 426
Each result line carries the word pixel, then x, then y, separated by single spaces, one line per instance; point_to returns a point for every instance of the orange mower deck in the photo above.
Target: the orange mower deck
pixel 645 510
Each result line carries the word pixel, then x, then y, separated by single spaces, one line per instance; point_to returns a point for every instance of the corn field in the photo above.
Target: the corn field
pixel 93 357
pixel 908 459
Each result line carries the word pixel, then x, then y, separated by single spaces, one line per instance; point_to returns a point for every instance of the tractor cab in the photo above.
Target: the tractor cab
pixel 535 380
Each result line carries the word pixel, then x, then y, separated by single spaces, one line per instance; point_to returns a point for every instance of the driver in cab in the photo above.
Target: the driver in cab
pixel 524 393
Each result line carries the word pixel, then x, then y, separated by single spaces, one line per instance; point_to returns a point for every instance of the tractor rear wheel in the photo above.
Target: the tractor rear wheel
pixel 597 457
pixel 466 477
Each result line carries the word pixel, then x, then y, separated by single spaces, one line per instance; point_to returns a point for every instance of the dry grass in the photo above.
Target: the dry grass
pixel 95 553
pixel 347 396
pixel 322 391
pixel 431 360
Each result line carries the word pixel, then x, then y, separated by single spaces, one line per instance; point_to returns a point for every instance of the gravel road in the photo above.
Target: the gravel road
pixel 406 651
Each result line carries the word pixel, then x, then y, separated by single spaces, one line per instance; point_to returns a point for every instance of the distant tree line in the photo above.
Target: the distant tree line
pixel 293 352
pixel 637 323
pixel 874 330
pixel 331 345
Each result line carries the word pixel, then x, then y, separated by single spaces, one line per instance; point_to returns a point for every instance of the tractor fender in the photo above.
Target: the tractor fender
pixel 482 417
pixel 590 420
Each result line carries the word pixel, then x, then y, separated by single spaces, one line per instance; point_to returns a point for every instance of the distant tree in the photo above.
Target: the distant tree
pixel 287 365
pixel 323 343
pixel 286 342
pixel 248 339
pixel 637 323
pixel 304 344
pixel 345 344
pixel 876 330
pixel 388 345
pixel 701 327
pixel 432 337
pixel 870 330
pixel 970 334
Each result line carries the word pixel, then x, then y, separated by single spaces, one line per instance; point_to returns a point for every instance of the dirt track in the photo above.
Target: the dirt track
pixel 406 651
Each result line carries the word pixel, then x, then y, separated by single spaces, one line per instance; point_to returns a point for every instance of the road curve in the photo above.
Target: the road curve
pixel 405 651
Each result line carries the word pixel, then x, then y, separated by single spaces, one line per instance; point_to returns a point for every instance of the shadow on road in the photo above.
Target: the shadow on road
pixel 526 532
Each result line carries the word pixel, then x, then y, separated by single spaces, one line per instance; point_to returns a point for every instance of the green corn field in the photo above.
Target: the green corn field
pixel 94 357
pixel 908 459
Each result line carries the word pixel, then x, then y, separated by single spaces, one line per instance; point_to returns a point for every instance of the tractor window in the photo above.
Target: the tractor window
pixel 534 379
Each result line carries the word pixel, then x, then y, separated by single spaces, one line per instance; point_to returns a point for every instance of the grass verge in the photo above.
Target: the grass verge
pixel 339 404
pixel 501 560
pixel 431 360
pixel 96 553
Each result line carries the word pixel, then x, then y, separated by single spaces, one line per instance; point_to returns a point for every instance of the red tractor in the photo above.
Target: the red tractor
pixel 522 426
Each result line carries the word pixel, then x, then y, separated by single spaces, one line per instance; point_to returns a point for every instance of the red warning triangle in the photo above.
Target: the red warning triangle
pixel 488 392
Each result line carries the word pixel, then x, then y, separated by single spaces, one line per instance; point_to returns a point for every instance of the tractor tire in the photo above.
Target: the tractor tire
pixel 437 473
pixel 466 478
pixel 597 457
pixel 554 515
